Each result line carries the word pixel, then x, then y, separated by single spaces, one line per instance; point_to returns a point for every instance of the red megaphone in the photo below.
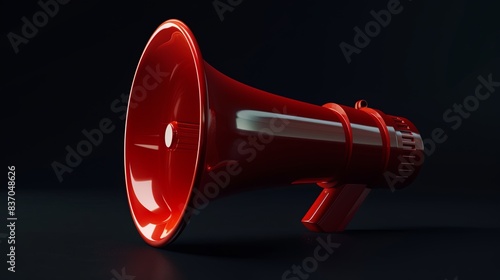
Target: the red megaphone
pixel 193 133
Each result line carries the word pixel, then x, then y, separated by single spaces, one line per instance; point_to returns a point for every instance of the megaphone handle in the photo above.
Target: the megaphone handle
pixel 335 207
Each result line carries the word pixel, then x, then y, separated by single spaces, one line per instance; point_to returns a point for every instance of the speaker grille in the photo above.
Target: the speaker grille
pixel 406 138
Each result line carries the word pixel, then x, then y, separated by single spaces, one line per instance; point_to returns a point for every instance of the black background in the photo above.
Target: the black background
pixel 445 225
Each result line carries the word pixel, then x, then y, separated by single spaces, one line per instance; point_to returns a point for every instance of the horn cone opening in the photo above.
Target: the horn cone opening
pixel 164 132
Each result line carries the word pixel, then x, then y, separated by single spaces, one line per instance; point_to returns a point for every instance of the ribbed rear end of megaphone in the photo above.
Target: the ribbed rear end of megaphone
pixel 193 134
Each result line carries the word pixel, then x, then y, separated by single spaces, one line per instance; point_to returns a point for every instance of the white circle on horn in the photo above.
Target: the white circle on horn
pixel 169 135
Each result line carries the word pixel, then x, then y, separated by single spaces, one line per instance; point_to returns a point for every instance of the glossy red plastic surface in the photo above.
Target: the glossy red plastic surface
pixel 160 177
pixel 334 208
pixel 199 135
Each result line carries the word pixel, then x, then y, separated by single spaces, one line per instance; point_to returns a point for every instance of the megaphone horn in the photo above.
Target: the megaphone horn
pixel 201 132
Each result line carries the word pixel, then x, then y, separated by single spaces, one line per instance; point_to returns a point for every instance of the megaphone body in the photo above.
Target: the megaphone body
pixel 199 134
